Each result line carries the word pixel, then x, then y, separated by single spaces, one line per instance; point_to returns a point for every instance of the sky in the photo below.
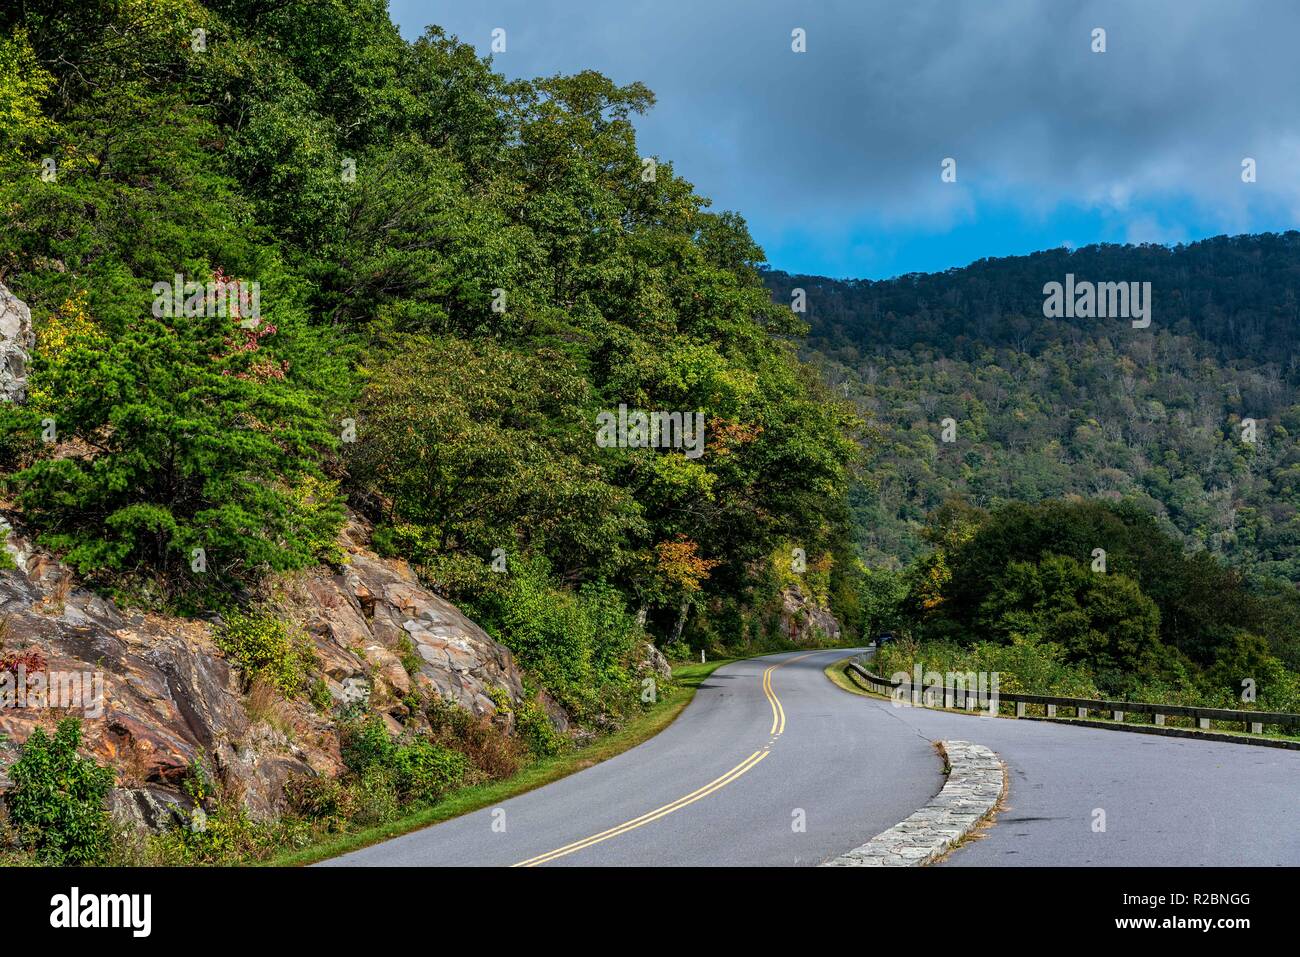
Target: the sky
pixel 834 155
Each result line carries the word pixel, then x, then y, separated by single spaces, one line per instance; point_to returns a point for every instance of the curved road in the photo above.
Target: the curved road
pixel 771 764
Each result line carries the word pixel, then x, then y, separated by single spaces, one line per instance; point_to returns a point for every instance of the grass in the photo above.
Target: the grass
pixel 687 679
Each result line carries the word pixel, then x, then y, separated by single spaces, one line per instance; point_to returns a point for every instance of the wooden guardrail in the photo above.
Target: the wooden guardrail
pixel 1254 721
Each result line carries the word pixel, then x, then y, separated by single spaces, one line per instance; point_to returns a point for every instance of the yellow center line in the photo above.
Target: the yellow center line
pixel 778 710
pixel 771 698
pixel 654 815
pixel 778 727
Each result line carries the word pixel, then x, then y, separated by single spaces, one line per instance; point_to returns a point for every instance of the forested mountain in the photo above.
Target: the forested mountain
pixel 1046 408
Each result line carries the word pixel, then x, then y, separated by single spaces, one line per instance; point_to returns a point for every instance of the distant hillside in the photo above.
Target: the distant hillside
pixel 1093 407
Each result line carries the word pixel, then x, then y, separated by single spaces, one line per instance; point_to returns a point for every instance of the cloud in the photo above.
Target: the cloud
pixel 851 134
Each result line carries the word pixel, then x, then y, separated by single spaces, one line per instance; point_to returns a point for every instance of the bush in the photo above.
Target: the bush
pixel 578 644
pixel 57 803
pixel 535 728
pixel 366 744
pixel 426 771
pixel 318 799
pixel 493 753
pixel 372 798
pixel 266 647
pixel 420 769
pixel 225 837
pixel 1024 667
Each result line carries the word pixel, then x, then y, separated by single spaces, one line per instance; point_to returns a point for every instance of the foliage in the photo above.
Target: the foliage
pixel 578 644
pixel 1100 585
pixel 1048 408
pixel 495 274
pixel 57 803
pixel 421 770
pixel 535 728
pixel 264 646
pixel 1027 667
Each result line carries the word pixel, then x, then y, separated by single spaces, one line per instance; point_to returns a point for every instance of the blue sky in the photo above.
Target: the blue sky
pixel 833 155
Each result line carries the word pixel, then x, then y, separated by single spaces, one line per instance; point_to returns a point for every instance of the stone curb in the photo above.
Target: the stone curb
pixel 975 784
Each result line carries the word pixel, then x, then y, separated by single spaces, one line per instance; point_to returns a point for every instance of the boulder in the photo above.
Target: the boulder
pixel 149 807
pixel 16 343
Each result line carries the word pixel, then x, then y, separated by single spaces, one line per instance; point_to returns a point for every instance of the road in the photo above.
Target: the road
pixel 771 764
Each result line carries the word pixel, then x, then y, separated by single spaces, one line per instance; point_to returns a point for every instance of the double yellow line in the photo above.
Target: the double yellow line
pixel 778 726
pixel 644 819
pixel 778 712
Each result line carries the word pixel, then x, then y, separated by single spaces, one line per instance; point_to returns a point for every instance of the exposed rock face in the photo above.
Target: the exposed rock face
pixel 374 617
pixel 653 663
pixel 169 698
pixel 154 694
pixel 16 343
pixel 806 621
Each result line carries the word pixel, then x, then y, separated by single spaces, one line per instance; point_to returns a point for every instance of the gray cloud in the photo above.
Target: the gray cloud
pixel 854 130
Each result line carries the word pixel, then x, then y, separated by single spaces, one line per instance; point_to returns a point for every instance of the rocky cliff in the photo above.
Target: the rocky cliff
pixel 16 343
pixel 805 620
pixel 156 694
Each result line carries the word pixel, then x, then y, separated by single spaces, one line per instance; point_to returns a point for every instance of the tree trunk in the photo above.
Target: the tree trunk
pixel 681 619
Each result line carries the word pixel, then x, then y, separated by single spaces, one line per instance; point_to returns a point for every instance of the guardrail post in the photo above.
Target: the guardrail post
pixel 1020 709
pixel 1160 720
pixel 1051 711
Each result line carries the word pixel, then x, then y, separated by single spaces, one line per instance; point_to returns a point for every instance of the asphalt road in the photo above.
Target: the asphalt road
pixel 771 764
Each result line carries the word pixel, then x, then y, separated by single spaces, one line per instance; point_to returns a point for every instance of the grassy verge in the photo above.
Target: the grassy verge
pixel 840 678
pixel 687 678
pixel 835 671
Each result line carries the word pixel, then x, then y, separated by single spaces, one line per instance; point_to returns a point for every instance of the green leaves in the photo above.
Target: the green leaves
pixel 58 799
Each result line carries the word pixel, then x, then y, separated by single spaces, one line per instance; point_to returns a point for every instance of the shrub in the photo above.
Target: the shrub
pixel 420 769
pixel 57 803
pixel 372 798
pixel 366 744
pixel 578 644
pixel 266 647
pixel 493 753
pixel 318 799
pixel 425 771
pixel 535 728
pixel 225 837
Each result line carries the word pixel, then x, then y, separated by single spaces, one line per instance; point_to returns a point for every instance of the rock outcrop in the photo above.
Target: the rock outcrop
pixel 805 620
pixel 156 694
pixel 379 633
pixel 653 664
pixel 16 343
